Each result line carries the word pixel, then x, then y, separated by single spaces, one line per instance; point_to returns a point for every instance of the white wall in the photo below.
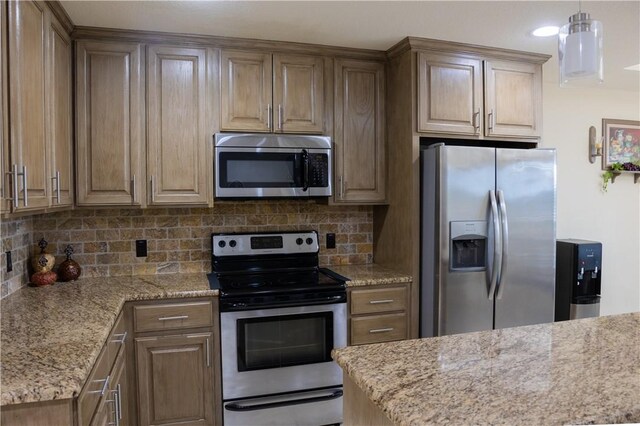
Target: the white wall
pixel 584 210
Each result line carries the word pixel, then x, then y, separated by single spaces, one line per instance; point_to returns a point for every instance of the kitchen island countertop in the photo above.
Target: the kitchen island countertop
pixel 577 372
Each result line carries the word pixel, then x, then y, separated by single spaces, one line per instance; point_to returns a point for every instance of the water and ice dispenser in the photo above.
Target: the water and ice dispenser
pixel 578 276
pixel 468 245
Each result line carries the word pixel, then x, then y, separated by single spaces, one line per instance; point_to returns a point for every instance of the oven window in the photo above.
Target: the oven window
pixel 259 170
pixel 282 341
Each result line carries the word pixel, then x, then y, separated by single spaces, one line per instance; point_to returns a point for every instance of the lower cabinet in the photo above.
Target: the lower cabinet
pixel 176 366
pixel 112 410
pixel 175 379
pixel 378 314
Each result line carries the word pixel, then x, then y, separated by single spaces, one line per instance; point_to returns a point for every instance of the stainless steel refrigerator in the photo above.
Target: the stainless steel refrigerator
pixel 488 238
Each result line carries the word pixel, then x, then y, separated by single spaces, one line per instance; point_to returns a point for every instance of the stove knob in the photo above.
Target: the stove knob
pixel 221 244
pixel 309 240
pixel 299 241
pixel 232 243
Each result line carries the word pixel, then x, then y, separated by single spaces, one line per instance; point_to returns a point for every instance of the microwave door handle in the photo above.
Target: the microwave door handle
pixel 305 170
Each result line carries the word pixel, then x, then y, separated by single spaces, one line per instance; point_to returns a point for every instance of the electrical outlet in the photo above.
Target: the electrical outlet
pixel 141 248
pixel 9 262
pixel 331 241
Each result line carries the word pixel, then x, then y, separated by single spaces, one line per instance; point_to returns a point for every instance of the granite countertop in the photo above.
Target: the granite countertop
pixel 369 274
pixel 51 336
pixel 572 372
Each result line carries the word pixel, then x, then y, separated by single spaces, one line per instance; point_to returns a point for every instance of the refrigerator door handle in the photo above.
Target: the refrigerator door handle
pixel 505 241
pixel 497 244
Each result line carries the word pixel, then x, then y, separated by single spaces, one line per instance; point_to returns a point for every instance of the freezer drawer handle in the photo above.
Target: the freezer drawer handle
pixel 234 406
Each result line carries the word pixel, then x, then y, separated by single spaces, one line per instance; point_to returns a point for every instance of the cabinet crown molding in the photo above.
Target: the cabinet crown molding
pixel 153 37
pixel 472 50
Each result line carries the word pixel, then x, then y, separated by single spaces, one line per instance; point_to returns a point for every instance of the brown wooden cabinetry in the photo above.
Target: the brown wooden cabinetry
pixel 360 158
pixel 5 194
pixel 175 360
pixel 109 124
pixel 278 93
pixel 179 148
pixel 39 151
pixel 378 314
pixel 454 98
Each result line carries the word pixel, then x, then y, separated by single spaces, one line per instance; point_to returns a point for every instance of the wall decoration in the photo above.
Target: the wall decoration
pixel 621 142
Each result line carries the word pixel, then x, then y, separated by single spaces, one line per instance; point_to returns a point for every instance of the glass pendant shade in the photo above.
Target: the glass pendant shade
pixel 580 51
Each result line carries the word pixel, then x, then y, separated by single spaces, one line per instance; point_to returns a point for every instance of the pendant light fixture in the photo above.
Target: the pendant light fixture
pixel 580 50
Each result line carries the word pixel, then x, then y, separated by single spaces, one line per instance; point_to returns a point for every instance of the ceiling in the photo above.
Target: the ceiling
pixel 381 24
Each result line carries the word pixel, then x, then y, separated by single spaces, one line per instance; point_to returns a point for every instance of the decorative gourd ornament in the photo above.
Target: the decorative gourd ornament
pixel 43 278
pixel 49 260
pixel 69 270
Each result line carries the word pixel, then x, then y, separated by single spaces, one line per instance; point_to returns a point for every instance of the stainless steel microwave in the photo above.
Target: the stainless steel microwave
pixel 270 165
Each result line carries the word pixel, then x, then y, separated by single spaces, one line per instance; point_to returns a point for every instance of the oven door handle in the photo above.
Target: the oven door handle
pixel 305 170
pixel 234 406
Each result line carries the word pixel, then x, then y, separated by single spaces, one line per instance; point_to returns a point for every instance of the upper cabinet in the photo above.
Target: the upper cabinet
pixel 179 135
pixel 109 124
pixel 480 98
pixel 39 104
pixel 278 93
pixel 359 134
pixel 5 195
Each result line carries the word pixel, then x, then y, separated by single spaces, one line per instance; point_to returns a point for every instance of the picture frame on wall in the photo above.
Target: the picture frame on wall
pixel 621 142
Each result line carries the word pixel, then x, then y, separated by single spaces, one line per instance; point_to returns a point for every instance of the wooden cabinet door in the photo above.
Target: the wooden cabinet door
pixel 513 99
pixel 298 94
pixel 58 90
pixel 359 131
pixel 245 96
pixel 175 379
pixel 5 192
pixel 449 94
pixel 27 22
pixel 109 124
pixel 179 128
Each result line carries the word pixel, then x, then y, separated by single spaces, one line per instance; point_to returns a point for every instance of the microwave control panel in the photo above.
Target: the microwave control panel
pixel 318 170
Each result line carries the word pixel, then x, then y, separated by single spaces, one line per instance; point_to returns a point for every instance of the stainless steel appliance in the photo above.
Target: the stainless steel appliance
pixel 280 315
pixel 270 165
pixel 488 238
pixel 578 277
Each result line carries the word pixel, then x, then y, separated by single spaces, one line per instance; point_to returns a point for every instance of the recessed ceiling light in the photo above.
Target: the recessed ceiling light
pixel 546 31
pixel 635 67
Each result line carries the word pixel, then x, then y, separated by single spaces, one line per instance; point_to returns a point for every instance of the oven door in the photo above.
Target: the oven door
pixel 280 350
pixel 272 172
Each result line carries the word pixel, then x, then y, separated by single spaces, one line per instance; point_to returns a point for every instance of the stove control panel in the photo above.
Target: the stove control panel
pixel 265 243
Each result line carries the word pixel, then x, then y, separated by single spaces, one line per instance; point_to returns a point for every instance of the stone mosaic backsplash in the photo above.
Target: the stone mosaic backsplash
pixel 178 239
pixel 16 237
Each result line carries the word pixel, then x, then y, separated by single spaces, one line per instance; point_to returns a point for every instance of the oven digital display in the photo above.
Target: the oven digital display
pixel 274 242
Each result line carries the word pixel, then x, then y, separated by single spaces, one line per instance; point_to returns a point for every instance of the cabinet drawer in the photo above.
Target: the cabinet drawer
pixel 172 316
pixel 97 385
pixel 378 300
pixel 116 340
pixel 378 328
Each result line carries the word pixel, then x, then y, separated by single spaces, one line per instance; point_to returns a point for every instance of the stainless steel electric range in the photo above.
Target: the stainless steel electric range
pixel 280 316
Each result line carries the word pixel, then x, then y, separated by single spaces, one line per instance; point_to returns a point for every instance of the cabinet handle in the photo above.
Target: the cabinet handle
pixel 55 188
pixel 491 120
pixel 24 186
pixel 122 338
pixel 476 121
pixel 153 190
pixel 208 354
pixel 280 116
pixel 14 183
pixel 105 385
pixel 381 330
pixel 377 302
pixel 177 317
pixel 119 402
pixel 268 116
pixel 133 189
pixel 341 184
